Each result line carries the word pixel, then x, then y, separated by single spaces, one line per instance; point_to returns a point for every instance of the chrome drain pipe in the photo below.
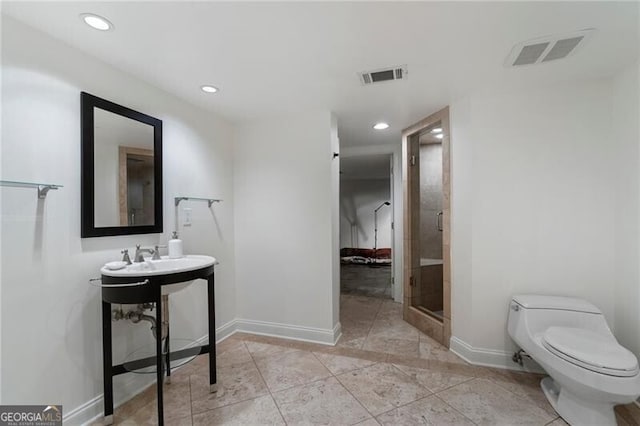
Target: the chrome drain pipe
pixel 138 315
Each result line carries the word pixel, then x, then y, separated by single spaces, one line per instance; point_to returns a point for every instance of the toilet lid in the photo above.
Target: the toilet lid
pixel 594 351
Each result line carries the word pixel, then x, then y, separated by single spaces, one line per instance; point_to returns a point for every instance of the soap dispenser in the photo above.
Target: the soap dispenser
pixel 175 246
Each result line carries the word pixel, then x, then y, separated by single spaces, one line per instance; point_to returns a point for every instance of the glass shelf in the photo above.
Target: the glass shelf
pixel 143 360
pixel 43 188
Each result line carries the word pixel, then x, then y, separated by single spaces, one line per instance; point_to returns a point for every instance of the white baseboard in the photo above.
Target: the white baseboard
pixel 287 331
pixel 225 331
pixel 92 410
pixel 490 357
pixel 337 333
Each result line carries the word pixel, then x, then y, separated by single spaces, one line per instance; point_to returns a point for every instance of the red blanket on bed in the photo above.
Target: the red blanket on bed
pixel 381 253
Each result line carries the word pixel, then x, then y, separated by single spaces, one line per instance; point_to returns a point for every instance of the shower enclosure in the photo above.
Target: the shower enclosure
pixel 427 259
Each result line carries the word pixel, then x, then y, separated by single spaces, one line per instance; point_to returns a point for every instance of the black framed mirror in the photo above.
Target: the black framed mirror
pixel 121 178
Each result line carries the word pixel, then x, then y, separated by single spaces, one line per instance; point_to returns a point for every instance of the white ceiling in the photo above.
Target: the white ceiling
pixel 278 58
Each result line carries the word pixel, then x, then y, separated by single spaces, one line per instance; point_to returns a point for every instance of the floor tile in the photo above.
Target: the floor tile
pixel 560 422
pixel 427 411
pixel 430 349
pixel 390 309
pixel 353 353
pixel 338 364
pixel 259 411
pixel 382 387
pixel 486 403
pixel 198 365
pixel 369 422
pixel 177 409
pixel 358 333
pixel 287 369
pixel 442 366
pixel 130 407
pixel 232 352
pixel 628 414
pixel 143 420
pixel 360 306
pixel 355 324
pixel 525 385
pixel 353 343
pixel 394 328
pixel 434 380
pixel 236 382
pixel 259 350
pixel 392 346
pixel 322 402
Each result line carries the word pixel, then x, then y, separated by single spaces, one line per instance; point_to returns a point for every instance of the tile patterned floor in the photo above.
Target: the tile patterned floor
pixel 382 372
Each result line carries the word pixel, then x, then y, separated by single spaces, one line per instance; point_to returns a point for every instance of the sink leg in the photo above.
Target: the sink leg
pixel 107 362
pixel 212 334
pixel 167 342
pixel 159 358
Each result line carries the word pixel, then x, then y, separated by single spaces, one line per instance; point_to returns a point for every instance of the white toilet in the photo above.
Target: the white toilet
pixel 590 372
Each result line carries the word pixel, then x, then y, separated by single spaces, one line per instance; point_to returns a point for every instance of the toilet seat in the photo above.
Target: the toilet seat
pixel 594 351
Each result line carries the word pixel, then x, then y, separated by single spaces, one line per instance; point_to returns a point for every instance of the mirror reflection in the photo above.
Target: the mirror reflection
pixel 124 171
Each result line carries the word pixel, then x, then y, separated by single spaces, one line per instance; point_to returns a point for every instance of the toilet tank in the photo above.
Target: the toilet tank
pixel 530 315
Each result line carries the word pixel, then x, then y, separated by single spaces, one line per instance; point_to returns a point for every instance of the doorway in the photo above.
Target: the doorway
pixel 366 226
pixel 427 259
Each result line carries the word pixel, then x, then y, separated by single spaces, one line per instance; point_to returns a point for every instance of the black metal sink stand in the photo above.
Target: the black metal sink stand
pixel 116 290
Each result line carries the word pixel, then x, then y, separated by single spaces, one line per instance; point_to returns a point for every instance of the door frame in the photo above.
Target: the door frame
pixel 123 155
pixel 439 331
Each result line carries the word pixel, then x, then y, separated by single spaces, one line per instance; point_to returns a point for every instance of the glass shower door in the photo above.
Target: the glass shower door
pixel 427 261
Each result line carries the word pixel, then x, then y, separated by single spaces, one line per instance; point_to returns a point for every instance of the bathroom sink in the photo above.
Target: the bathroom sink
pixel 164 266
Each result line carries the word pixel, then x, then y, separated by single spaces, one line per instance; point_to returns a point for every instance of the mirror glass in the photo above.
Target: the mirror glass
pixel 121 170
pixel 123 167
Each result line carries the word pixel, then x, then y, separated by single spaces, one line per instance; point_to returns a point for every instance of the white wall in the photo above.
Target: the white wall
pixel 534 177
pixel 51 327
pixel 358 199
pixel 284 208
pixel 626 222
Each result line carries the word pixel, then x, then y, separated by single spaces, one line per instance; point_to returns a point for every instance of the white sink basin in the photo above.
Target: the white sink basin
pixel 164 266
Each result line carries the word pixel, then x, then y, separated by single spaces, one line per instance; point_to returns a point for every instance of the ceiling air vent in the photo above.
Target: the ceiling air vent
pixel 384 74
pixel 545 49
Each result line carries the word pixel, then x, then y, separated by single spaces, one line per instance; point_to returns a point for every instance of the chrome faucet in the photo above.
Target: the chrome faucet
pixel 125 257
pixel 138 258
pixel 156 254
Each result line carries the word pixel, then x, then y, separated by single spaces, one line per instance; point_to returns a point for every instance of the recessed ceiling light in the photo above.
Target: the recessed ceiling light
pixel 209 89
pixel 97 22
pixel 436 130
pixel 381 126
pixel 439 135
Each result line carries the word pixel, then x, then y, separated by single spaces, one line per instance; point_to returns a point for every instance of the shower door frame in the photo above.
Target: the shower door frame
pixel 431 326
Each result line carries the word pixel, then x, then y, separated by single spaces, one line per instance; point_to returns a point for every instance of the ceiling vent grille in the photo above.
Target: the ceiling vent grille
pixel 382 75
pixel 545 49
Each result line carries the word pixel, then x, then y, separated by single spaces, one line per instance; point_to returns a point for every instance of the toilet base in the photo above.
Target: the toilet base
pixel 574 410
